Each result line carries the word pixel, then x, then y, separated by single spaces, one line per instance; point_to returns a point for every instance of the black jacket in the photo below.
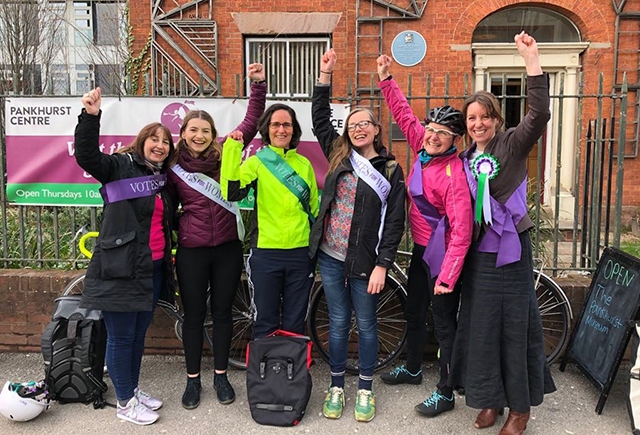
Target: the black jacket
pixel 363 236
pixel 120 274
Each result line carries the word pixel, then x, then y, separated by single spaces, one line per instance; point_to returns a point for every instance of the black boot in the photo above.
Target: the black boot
pixel 223 388
pixel 191 396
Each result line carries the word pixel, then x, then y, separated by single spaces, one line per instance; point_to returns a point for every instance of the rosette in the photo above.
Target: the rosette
pixel 485 167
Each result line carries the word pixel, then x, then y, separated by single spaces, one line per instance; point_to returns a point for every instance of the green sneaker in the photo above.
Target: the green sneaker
pixel 365 405
pixel 333 403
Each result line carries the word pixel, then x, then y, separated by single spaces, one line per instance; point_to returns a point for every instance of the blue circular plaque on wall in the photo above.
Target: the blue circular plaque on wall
pixel 408 48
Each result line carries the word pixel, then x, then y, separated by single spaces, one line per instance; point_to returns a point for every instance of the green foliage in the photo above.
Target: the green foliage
pixel 135 66
pixel 631 246
pixel 31 235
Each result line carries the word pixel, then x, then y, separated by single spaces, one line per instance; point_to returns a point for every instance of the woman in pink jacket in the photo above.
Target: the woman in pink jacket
pixel 441 222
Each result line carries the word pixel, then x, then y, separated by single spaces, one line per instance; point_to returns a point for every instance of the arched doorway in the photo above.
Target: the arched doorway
pixel 498 68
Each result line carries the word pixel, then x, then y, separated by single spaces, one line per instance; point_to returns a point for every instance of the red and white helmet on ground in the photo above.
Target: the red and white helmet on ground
pixel 23 402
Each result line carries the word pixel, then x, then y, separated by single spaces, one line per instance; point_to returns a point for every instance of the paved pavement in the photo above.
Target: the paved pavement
pixel 570 410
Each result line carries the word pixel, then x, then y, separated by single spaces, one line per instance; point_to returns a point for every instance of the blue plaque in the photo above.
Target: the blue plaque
pixel 408 48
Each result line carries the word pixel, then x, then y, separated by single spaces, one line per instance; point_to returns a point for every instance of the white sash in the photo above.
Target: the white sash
pixel 210 188
pixel 374 179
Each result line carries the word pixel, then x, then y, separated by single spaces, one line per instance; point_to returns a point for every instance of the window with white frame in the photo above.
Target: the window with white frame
pixel 84 79
pixel 291 64
pixel 60 80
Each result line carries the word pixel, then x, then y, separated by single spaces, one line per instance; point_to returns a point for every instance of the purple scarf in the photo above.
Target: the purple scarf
pixel 501 236
pixel 435 250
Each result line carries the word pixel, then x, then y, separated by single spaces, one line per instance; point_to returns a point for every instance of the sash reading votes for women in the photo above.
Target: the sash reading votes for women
pixel 130 188
pixel 210 188
pixel 288 177
pixel 435 249
pixel 374 179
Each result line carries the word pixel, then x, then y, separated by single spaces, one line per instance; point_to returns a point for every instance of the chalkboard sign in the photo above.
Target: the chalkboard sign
pixel 603 329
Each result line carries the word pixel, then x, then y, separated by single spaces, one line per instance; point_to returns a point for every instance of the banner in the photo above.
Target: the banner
pixel 41 167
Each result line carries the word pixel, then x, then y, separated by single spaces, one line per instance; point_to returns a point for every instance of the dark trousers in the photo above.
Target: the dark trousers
pixel 445 313
pixel 280 280
pixel 200 269
pixel 125 340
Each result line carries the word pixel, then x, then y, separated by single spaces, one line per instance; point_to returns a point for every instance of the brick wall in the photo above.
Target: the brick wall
pixel 28 302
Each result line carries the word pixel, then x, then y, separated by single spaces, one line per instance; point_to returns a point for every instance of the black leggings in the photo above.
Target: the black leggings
pixel 198 269
pixel 445 313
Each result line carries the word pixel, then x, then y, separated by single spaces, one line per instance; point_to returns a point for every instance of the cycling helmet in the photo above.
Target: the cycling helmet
pixel 449 117
pixel 23 402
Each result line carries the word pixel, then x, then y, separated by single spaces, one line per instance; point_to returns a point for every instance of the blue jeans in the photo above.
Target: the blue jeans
pixel 125 341
pixel 341 295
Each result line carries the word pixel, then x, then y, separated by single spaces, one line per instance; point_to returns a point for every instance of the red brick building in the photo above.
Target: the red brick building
pixel 586 46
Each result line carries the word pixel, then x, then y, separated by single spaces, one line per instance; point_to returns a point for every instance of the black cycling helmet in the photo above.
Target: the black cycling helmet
pixel 448 116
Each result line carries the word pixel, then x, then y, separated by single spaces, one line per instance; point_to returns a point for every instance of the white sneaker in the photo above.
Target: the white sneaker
pixel 150 402
pixel 135 412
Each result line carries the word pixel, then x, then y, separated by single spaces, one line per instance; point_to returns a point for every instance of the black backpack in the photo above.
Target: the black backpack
pixel 74 346
pixel 278 378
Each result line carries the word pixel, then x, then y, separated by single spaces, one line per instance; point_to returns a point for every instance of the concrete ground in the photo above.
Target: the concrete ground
pixel 570 410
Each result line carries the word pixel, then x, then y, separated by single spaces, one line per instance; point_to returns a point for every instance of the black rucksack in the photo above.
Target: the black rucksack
pixel 73 346
pixel 278 378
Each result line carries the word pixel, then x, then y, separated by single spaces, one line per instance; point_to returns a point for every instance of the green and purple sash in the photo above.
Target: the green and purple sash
pixel 131 188
pixel 289 178
pixel 501 235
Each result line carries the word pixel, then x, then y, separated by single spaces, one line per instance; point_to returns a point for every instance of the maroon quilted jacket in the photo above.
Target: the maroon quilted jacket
pixel 204 223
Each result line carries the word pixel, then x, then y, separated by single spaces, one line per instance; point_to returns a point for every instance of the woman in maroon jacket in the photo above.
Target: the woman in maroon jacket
pixel 210 236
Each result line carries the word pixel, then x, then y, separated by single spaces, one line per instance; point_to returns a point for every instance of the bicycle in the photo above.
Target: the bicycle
pixel 242 312
pixel 554 306
pixel 555 311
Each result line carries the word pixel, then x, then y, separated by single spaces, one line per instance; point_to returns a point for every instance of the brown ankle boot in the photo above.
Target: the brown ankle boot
pixel 487 417
pixel 516 423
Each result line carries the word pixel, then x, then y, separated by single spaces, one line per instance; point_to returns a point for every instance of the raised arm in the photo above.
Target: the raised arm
pixel 409 123
pixel 526 134
pixel 257 102
pixel 87 139
pixel 320 107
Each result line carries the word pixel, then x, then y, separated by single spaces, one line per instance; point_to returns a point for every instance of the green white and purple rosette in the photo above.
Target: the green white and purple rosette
pixel 485 167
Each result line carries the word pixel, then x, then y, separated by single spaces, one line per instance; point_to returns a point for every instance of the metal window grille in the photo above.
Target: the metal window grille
pixel 290 63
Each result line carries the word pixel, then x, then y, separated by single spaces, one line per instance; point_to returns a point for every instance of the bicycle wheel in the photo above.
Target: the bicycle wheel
pixel 392 329
pixel 243 314
pixel 75 286
pixel 555 312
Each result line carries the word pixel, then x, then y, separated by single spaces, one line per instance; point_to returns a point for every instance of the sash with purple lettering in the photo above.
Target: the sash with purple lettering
pixel 501 235
pixel 210 188
pixel 131 188
pixel 374 179
pixel 435 250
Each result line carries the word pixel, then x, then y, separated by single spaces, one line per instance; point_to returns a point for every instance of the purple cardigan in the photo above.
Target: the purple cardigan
pixel 204 223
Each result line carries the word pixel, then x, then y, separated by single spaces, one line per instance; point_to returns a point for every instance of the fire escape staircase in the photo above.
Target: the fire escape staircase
pixel 187 31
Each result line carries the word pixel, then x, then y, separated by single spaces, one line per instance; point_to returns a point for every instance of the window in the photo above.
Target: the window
pixel 291 64
pixel 83 79
pixel 60 80
pixel 543 24
pixel 99 22
pixel 108 77
pixel 82 23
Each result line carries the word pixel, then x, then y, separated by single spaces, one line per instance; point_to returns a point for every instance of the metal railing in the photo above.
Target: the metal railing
pixel 44 237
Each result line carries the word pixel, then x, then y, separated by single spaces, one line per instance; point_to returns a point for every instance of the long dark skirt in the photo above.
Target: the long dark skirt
pixel 498 356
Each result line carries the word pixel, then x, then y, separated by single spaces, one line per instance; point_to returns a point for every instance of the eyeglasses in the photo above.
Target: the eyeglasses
pixel 277 125
pixel 442 134
pixel 361 124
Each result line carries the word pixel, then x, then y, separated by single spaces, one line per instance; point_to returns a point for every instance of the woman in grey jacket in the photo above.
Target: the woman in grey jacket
pixel 498 355
pixel 131 263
